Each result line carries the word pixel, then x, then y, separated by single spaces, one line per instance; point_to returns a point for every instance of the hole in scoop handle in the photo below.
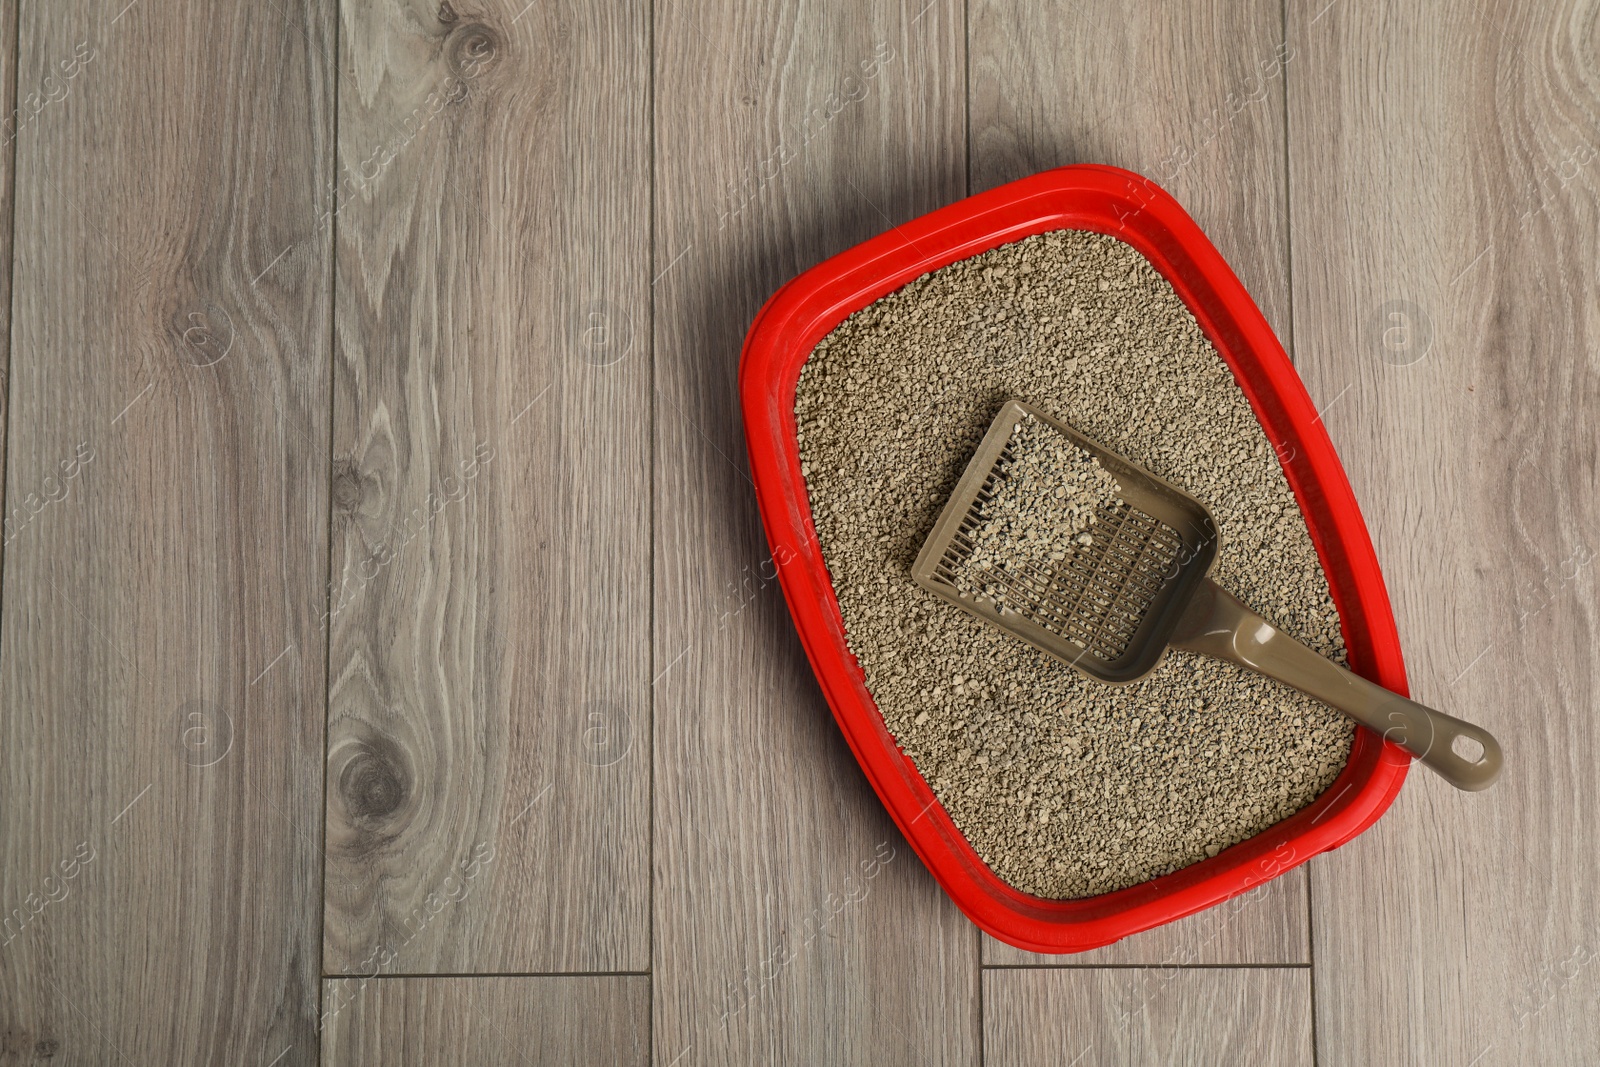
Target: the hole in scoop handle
pixel 1431 736
pixel 1217 624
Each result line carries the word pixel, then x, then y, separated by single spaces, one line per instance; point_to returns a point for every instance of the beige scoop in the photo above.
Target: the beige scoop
pixel 1113 607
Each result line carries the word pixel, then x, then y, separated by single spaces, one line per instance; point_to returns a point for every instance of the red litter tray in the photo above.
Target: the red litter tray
pixel 1125 205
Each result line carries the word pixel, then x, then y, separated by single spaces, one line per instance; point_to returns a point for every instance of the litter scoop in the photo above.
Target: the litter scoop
pixel 1138 584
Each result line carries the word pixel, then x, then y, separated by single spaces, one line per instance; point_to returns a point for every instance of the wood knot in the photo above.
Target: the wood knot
pixel 447 14
pixel 470 50
pixel 348 487
pixel 373 784
pixel 203 333
pixel 17 1042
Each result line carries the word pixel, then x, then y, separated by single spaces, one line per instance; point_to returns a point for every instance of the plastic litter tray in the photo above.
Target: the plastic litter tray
pixel 1117 202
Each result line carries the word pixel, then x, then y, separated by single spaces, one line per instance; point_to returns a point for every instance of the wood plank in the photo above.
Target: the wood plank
pixel 10 522
pixel 488 804
pixel 1269 924
pixel 1446 197
pixel 1191 96
pixel 1188 95
pixel 161 668
pixel 784 133
pixel 548 1021
pixel 1193 1017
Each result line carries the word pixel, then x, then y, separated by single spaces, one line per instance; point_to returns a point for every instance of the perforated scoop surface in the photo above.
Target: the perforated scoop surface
pixel 1097 597
pixel 1105 607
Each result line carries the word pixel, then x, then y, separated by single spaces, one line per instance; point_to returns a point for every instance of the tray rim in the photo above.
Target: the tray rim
pixel 1134 209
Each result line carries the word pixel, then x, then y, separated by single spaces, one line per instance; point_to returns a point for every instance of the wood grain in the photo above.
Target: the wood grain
pixel 488 777
pixel 1153 1017
pixel 1191 96
pixel 552 1022
pixel 792 923
pixel 161 669
pixel 1446 194
pixel 534 450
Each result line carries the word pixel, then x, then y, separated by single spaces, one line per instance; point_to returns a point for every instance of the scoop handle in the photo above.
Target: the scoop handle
pixel 1217 624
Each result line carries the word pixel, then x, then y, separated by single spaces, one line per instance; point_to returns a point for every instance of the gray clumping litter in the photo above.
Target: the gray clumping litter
pixel 1043 507
pixel 1064 786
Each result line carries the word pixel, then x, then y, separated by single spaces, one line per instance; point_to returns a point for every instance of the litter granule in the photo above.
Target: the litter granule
pixel 1044 504
pixel 1065 787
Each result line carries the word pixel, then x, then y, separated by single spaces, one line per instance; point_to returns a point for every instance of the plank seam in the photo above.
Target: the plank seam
pixel 327 588
pixel 11 290
pixel 386 975
pixel 1146 966
pixel 650 325
pixel 1288 263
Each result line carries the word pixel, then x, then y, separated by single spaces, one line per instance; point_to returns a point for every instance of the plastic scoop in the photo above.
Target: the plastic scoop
pixel 1110 608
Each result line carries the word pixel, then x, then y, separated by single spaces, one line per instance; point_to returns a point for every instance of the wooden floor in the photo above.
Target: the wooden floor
pixel 390 666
